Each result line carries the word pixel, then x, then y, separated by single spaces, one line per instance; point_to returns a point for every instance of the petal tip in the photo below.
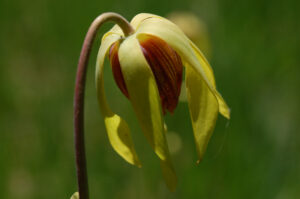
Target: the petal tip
pixel 133 161
pixel 226 113
pixel 200 157
pixel 169 175
pixel 137 163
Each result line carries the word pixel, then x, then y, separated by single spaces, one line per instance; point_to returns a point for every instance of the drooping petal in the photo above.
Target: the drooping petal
pixel 117 129
pixel 170 33
pixel 144 97
pixel 203 108
pixel 223 108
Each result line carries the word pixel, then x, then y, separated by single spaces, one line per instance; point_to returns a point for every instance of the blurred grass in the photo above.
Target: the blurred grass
pixel 255 56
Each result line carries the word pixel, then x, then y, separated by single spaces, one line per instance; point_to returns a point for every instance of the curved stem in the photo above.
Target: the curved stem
pixel 79 95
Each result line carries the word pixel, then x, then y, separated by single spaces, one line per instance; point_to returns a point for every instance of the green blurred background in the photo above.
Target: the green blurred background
pixel 255 55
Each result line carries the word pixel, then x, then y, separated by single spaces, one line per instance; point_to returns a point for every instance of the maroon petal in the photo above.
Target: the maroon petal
pixel 167 68
pixel 116 69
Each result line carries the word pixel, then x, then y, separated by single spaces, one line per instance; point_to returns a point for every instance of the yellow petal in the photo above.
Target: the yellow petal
pixel 114 30
pixel 170 33
pixel 135 22
pixel 223 108
pixel 117 129
pixel 203 108
pixel 144 97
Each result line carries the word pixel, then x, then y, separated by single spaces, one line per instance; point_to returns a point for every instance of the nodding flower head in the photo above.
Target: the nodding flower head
pixel 165 64
pixel 147 67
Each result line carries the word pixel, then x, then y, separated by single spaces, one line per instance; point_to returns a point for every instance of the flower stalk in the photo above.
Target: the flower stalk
pixel 81 168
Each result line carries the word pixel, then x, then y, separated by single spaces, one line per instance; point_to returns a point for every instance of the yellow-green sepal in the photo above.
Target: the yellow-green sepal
pixel 203 107
pixel 170 33
pixel 223 107
pixel 144 97
pixel 117 128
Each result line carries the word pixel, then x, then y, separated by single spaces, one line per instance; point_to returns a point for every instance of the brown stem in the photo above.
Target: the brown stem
pixel 79 95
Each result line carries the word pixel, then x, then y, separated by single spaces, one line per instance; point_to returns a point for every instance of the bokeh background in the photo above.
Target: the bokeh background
pixel 255 48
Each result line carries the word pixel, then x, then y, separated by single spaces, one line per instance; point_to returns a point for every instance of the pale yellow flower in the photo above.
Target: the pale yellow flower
pixel 138 77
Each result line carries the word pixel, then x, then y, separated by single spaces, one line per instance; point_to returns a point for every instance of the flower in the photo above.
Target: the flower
pixel 147 67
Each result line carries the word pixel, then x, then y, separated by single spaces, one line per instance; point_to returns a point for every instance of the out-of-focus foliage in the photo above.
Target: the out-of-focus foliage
pixel 255 55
